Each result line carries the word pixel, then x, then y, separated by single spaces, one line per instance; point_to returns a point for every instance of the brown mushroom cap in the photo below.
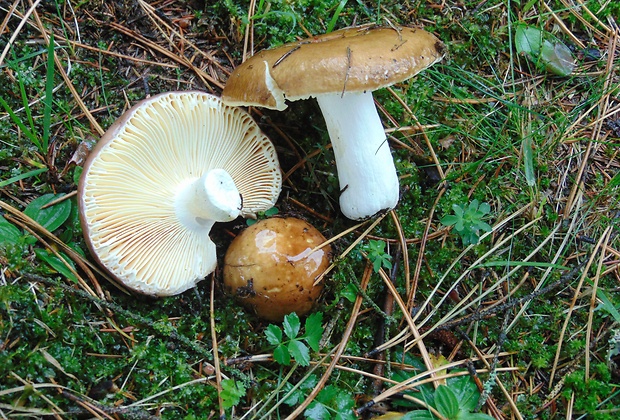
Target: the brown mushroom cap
pixel 353 59
pixel 271 267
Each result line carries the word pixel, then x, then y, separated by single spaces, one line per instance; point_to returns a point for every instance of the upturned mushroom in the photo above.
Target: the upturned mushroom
pixel 161 176
pixel 271 267
pixel 341 69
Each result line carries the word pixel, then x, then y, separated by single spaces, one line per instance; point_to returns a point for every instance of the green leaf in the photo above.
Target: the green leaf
pixel 9 234
pixel 281 355
pixel 25 130
pixel 474 416
pixel 232 391
pixel 300 352
pixel 465 391
pixel 469 237
pixel 544 50
pixel 335 401
pixel 484 226
pixel 458 210
pixel 332 22
pixel 56 264
pixel 349 292
pixel 344 402
pixel 295 397
pixel 473 206
pixel 77 173
pixel 446 402
pixel 418 415
pixel 317 411
pixel 301 391
pixel 291 325
pixel 328 394
pixel 273 334
pixel 271 212
pixel 557 58
pixel 314 330
pixel 528 40
pixel 449 220
pixel 347 414
pixel 607 304
pixel 51 217
pixel 528 161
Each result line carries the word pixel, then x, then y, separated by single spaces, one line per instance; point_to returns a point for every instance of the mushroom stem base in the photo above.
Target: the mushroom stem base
pixel 366 172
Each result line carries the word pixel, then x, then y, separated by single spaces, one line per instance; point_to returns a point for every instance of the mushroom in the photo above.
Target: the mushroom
pixel 161 176
pixel 271 267
pixel 341 69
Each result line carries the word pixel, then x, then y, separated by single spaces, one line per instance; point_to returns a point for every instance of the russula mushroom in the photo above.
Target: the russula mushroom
pixel 272 265
pixel 161 176
pixel 341 69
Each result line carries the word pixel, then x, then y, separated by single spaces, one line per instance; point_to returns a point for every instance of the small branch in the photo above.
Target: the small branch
pixel 218 372
pixel 169 333
pixel 99 410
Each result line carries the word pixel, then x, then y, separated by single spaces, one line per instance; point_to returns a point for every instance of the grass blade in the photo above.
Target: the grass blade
pixel 522 264
pixel 22 176
pixel 334 19
pixel 27 132
pixel 49 90
pixel 528 161
pixel 24 96
pixel 608 305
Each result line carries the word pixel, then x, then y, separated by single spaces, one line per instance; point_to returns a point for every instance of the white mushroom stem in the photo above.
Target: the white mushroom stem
pixel 211 198
pixel 366 172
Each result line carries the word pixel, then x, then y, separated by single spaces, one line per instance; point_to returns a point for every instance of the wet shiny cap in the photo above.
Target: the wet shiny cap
pixel 354 59
pixel 271 267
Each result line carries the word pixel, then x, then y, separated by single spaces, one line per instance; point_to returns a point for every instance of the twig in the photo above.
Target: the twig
pixel 403 249
pixel 576 294
pixel 84 264
pixel 381 333
pixel 65 76
pixel 599 269
pixel 216 359
pixel 485 314
pixel 168 331
pixel 18 29
pixel 418 266
pixel 349 248
pixel 602 106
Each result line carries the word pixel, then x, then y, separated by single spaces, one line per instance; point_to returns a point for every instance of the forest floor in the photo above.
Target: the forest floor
pixel 490 290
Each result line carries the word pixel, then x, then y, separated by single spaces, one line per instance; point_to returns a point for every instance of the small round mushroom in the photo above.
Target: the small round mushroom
pixel 161 176
pixel 272 265
pixel 341 69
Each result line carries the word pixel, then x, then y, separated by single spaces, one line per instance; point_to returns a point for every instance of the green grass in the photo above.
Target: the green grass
pixel 541 150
